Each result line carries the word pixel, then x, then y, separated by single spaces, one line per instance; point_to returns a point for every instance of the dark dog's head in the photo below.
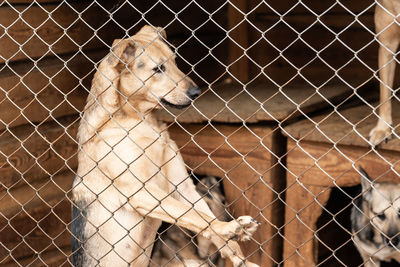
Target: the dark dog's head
pixel 381 205
pixel 147 71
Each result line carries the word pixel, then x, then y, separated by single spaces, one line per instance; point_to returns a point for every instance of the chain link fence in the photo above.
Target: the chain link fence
pixel 289 129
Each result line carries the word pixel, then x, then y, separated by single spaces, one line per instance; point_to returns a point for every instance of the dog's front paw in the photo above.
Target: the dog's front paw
pixel 240 229
pixel 379 134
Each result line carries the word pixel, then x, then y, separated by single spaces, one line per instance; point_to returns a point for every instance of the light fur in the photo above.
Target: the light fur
pixel 388 33
pixel 131 176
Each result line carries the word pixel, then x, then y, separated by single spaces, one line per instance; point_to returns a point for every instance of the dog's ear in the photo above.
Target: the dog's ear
pixel 366 182
pixel 122 52
pixel 153 31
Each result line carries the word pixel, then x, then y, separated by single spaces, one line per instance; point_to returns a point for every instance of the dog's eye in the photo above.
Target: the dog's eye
pixel 381 216
pixel 159 69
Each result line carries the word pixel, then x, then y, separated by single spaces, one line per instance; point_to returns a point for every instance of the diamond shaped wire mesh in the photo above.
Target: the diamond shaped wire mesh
pixel 289 110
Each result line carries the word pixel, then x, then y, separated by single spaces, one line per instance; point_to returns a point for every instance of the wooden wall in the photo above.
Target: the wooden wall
pixel 47 58
pixel 317 40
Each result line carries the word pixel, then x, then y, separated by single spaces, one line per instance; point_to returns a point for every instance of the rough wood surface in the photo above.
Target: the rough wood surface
pixel 28 155
pixel 250 176
pixel 238 33
pixel 337 127
pixel 276 41
pixel 304 205
pixel 39 222
pixel 335 165
pixel 52 258
pixel 231 103
pixel 41 34
pixel 31 97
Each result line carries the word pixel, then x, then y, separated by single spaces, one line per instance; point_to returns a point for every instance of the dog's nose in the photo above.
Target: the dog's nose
pixel 394 241
pixel 193 92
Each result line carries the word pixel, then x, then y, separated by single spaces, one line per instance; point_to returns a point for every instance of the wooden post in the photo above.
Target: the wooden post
pixel 251 177
pixel 304 207
pixel 240 35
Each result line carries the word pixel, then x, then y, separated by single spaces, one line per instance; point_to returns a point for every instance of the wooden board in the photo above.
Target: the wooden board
pixel 40 34
pixel 335 164
pixel 284 56
pixel 47 151
pixel 280 7
pixel 337 128
pixel 239 41
pixel 230 103
pixel 52 258
pixel 39 213
pixel 48 91
pixel 250 173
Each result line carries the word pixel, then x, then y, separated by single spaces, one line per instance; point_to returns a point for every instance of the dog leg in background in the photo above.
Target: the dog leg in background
pixel 154 203
pixel 389 37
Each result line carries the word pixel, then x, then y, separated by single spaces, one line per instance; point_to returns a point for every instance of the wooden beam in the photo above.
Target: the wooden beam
pixel 55 30
pixel 251 176
pixel 41 218
pixel 238 28
pixel 28 155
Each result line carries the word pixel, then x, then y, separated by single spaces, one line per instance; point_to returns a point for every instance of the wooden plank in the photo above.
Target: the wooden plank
pixel 46 151
pixel 50 90
pixel 30 1
pixel 42 222
pixel 345 127
pixel 318 7
pixel 250 176
pixel 40 34
pixel 53 258
pixel 230 103
pixel 335 165
pixel 304 207
pixel 278 48
pixel 238 33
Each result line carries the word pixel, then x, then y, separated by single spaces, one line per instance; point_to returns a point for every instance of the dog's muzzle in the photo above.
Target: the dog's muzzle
pixel 391 240
pixel 193 92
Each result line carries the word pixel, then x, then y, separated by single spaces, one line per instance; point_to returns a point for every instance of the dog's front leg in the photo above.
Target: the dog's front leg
pixel 230 249
pixel 186 193
pixel 389 39
pixel 155 203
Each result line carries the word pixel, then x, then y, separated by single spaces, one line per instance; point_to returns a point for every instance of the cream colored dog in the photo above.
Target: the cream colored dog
pixel 388 33
pixel 131 176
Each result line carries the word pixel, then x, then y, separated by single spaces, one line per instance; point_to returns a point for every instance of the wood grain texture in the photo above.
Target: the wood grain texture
pixel 337 127
pixel 335 165
pixel 325 45
pixel 46 92
pixel 304 205
pixel 231 103
pixel 49 30
pixel 35 219
pixel 250 176
pixel 28 155
pixel 52 258
pixel 239 41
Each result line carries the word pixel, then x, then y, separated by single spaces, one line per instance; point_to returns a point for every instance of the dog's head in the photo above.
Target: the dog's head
pixel 382 207
pixel 148 73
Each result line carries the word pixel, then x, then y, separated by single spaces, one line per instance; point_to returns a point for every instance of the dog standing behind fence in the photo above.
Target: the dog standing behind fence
pixel 375 221
pixel 388 30
pixel 130 175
